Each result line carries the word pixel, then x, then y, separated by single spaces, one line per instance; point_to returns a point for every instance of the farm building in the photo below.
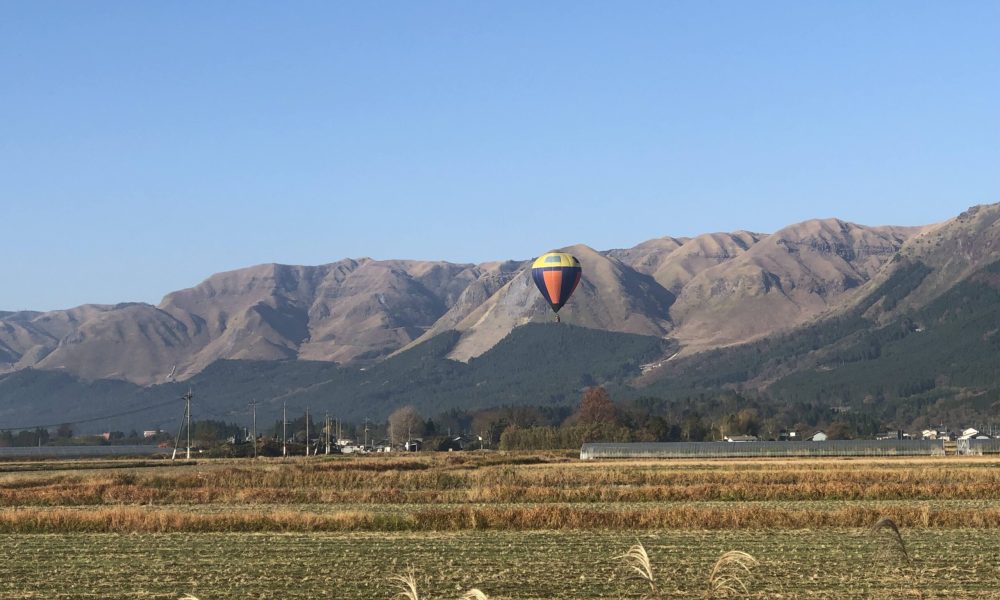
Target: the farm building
pixel 82 451
pixel 980 446
pixel 762 449
pixel 973 434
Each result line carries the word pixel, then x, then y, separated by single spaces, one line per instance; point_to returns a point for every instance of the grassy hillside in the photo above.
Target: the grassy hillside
pixel 936 364
pixel 538 364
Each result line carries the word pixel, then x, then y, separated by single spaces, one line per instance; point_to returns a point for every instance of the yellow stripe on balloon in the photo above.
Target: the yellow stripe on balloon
pixel 555 259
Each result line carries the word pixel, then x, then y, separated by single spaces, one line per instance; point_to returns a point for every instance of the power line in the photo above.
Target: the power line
pixel 93 419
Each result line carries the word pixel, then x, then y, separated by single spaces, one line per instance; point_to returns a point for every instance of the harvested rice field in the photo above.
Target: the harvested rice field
pixel 513 526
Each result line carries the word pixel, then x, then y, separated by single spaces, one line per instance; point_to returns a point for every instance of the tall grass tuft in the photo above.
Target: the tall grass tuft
pixel 407 585
pixel 638 560
pixel 887 524
pixel 729 576
pixel 889 555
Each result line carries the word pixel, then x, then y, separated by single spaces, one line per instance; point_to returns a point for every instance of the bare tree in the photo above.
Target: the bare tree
pixel 405 423
pixel 596 407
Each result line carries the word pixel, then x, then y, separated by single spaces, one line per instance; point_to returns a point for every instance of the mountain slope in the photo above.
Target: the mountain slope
pixel 784 280
pixel 673 262
pixel 915 345
pixel 349 310
pixel 953 250
pixel 611 296
pixel 531 366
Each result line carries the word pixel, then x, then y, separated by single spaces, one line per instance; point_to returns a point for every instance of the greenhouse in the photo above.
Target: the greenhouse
pixel 763 449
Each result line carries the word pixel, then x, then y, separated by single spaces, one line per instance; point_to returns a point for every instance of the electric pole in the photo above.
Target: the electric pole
pixel 307 431
pixel 253 407
pixel 284 430
pixel 326 424
pixel 366 433
pixel 185 421
pixel 188 397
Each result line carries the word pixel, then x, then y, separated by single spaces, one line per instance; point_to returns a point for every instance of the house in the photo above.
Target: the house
pixel 413 445
pixel 973 434
pixel 819 436
pixel 788 436
pixel 741 438
pixel 457 442
pixel 151 433
pixel 896 434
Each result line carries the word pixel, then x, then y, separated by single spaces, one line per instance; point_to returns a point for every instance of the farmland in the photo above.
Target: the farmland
pixel 515 526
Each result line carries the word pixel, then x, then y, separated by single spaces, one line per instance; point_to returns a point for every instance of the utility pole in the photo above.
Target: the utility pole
pixel 284 430
pixel 366 433
pixel 187 398
pixel 185 421
pixel 326 424
pixel 307 431
pixel 253 407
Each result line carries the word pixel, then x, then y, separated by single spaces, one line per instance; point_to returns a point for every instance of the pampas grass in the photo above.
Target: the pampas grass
pixel 407 585
pixel 728 578
pixel 729 575
pixel 888 555
pixel 638 560
pixel 887 524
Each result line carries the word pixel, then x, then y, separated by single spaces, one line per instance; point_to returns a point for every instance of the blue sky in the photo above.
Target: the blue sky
pixel 144 146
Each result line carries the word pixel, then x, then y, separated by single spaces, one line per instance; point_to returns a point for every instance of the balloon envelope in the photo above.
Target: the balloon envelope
pixel 556 275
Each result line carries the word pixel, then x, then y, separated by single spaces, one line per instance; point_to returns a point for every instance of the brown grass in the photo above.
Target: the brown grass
pixel 127 519
pixel 501 492
pixel 433 480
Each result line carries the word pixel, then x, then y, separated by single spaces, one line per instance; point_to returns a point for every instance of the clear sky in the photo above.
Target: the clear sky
pixel 146 145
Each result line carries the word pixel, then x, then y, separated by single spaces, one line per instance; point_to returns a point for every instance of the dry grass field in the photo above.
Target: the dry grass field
pixel 514 526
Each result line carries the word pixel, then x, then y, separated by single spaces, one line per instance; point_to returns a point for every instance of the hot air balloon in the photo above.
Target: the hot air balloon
pixel 556 275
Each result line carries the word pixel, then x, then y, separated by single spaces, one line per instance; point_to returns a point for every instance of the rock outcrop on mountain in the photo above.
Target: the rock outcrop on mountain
pixel 785 279
pixel 673 262
pixel 491 279
pixel 703 292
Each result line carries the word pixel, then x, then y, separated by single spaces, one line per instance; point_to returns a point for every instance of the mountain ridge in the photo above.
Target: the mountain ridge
pixel 703 292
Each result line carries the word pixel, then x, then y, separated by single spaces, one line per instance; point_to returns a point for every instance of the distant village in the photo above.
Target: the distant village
pixel 943 434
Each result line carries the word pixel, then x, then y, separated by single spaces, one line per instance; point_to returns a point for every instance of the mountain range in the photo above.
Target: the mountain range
pixel 708 302
pixel 704 292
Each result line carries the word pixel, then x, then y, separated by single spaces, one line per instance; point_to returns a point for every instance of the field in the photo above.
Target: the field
pixel 514 526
